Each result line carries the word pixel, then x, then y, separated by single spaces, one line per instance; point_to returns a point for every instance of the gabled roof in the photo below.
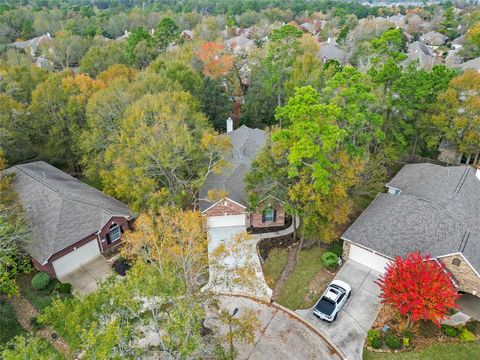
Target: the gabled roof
pixel 330 51
pixel 246 143
pixel 434 38
pixel 61 209
pixel 436 213
pixel 473 64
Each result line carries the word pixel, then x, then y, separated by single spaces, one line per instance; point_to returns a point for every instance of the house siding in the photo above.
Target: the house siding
pixel 346 250
pixel 120 221
pixel 48 267
pixel 256 219
pixel 468 280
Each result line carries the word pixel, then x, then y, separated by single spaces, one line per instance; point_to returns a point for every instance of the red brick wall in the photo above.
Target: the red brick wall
pixel 256 219
pixel 225 207
pixel 121 221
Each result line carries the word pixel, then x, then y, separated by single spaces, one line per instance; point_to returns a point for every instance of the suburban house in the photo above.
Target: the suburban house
pixel 330 51
pixel 31 46
pixel 71 222
pixel 428 208
pixel 422 53
pixel 433 39
pixel 229 207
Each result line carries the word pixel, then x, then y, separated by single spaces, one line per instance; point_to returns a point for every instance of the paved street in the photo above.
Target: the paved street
pixel 349 331
pixel 280 336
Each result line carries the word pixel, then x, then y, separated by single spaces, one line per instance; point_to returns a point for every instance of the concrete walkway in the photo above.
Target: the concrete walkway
pixel 281 334
pixel 234 264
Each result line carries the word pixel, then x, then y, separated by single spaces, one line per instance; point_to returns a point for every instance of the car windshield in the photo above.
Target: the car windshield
pixel 325 306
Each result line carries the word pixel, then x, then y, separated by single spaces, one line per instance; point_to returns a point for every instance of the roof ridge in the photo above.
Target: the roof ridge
pixel 65 196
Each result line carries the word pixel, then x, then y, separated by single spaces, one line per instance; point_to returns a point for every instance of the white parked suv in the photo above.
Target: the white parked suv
pixel 332 300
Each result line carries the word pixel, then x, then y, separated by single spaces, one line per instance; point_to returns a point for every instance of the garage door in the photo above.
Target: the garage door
pixel 368 258
pixel 227 220
pixel 76 258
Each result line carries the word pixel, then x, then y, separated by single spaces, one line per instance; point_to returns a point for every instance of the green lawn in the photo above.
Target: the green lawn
pixel 272 268
pixel 9 326
pixel 296 288
pixel 441 351
pixel 39 298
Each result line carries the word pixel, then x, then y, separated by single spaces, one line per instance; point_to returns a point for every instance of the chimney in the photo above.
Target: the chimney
pixel 477 174
pixel 229 125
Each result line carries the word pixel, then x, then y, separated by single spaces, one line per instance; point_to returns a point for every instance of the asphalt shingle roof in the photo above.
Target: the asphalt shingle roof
pixel 61 210
pixel 437 213
pixel 246 143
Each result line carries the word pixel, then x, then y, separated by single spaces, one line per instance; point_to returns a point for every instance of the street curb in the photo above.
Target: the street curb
pixel 295 315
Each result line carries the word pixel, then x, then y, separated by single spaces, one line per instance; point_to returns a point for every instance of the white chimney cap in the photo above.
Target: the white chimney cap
pixel 229 125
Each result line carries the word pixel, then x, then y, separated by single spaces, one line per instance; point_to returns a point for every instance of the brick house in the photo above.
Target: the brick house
pixel 71 222
pixel 231 208
pixel 428 208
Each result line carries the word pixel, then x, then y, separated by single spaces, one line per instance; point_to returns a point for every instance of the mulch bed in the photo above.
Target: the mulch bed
pixel 425 332
pixel 282 242
pixel 288 222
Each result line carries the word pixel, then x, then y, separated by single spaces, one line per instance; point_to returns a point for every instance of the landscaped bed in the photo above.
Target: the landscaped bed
pixel 9 324
pixel 389 338
pixel 39 298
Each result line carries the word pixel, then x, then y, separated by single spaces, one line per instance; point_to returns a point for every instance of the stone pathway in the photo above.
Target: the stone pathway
pixel 25 311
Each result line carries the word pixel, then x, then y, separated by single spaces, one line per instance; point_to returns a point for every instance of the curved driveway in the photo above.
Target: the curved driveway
pixel 282 335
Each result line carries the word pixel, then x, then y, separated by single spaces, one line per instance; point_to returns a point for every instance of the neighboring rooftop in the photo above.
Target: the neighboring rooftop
pixel 473 64
pixel 246 143
pixel 437 213
pixel 330 51
pixel 61 209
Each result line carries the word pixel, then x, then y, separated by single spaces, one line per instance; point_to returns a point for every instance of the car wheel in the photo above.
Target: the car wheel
pixel 350 293
pixel 335 317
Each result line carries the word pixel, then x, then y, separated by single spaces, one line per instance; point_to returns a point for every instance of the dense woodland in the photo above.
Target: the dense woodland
pixel 138 117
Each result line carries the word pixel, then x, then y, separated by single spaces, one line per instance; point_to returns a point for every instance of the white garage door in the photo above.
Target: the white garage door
pixel 227 220
pixel 76 258
pixel 368 258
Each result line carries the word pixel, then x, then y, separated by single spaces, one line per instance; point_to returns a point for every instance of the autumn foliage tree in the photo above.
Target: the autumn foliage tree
pixel 216 61
pixel 419 288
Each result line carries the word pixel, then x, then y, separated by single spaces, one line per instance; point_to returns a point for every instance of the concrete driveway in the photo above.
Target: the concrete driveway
pixel 281 334
pixel 85 279
pixel 470 305
pixel 349 331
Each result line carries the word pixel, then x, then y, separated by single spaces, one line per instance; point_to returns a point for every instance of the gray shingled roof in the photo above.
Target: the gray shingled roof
pixel 330 51
pixel 246 143
pixel 61 209
pixel 436 212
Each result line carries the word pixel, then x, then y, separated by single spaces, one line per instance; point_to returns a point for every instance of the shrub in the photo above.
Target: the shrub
pixel 376 343
pixel 121 266
pixel 466 336
pixel 329 259
pixel 40 281
pixel 64 288
pixel 406 342
pixel 336 247
pixel 374 338
pixel 36 324
pixel 450 330
pixel 407 334
pixel 472 326
pixel 393 342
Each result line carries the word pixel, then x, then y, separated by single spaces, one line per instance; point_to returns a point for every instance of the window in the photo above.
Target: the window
pixel 114 232
pixel 269 215
pixel 456 262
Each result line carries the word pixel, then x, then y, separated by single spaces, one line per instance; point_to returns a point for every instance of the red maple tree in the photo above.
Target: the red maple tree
pixel 419 288
pixel 217 62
